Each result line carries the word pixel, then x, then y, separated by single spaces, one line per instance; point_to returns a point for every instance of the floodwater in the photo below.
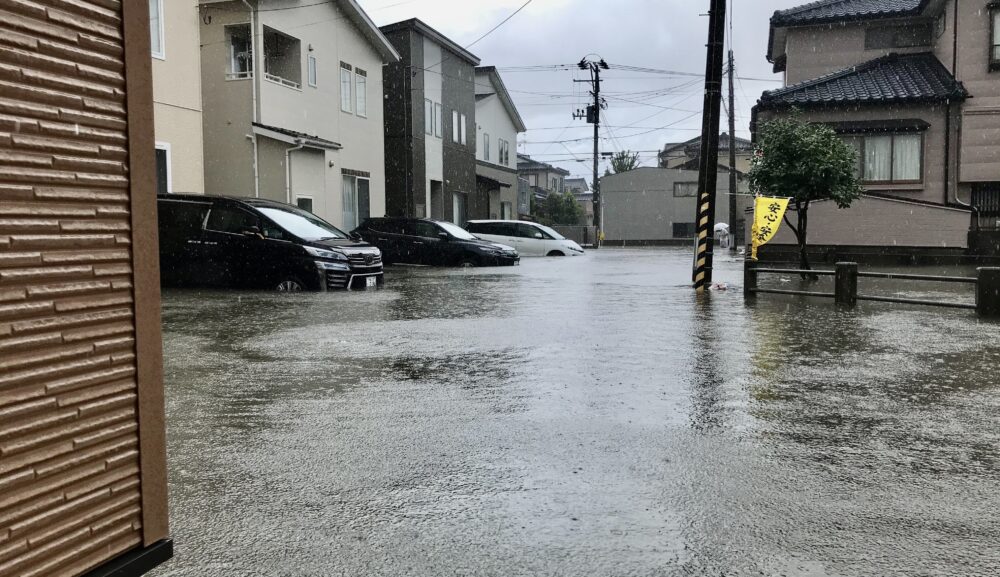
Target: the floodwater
pixel 580 417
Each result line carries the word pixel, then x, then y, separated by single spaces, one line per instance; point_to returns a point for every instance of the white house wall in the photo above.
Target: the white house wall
pixel 492 119
pixel 433 146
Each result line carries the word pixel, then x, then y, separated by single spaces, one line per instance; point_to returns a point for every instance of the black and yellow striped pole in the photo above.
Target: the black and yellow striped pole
pixel 709 160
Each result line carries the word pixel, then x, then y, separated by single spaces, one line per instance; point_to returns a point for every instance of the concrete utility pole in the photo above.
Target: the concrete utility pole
pixel 593 116
pixel 734 230
pixel 708 176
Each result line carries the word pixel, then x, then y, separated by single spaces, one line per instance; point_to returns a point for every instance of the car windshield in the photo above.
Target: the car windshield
pixel 457 232
pixel 551 232
pixel 303 224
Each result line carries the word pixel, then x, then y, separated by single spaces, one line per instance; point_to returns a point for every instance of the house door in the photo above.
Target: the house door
pixel 350 194
pixel 459 207
pixel 437 200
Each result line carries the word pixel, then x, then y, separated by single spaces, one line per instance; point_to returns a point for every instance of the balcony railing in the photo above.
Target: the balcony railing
pixel 282 81
pixel 246 74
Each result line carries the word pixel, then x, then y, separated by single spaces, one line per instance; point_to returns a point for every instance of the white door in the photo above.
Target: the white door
pixel 350 204
pixel 530 244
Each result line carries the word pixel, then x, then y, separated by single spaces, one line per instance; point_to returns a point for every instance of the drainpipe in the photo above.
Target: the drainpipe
pixel 299 145
pixel 253 92
pixel 954 72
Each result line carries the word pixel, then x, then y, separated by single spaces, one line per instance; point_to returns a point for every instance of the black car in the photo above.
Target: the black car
pixel 432 242
pixel 256 243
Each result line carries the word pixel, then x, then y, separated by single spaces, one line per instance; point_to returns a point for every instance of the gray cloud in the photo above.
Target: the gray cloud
pixel 645 110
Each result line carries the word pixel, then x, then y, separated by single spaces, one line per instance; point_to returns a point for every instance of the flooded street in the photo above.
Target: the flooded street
pixel 579 417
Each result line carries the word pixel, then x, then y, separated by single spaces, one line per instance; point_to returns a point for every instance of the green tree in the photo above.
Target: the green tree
pixel 561 209
pixel 805 162
pixel 624 161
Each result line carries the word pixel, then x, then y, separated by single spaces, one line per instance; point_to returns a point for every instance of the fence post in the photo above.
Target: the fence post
pixel 846 284
pixel 988 292
pixel 749 278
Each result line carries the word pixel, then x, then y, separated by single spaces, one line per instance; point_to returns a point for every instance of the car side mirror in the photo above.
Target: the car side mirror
pixel 443 235
pixel 252 231
pixel 354 235
pixel 538 235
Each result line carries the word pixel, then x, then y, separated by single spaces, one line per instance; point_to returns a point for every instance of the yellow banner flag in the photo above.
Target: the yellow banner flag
pixel 767 215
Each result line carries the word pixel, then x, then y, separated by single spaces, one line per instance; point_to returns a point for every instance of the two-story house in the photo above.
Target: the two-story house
pixel 543 178
pixel 497 124
pixel 293 104
pixel 430 124
pixel 174 34
pixel 914 86
pixel 687 155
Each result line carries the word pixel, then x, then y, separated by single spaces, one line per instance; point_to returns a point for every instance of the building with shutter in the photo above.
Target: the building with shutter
pixel 292 93
pixel 913 85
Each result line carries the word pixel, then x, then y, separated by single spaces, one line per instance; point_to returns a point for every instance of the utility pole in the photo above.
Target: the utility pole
pixel 708 175
pixel 593 116
pixel 734 219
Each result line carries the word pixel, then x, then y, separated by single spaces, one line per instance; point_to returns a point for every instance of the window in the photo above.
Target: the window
pixel 454 126
pixel 361 92
pixel 356 200
pixel 428 116
pixel 438 120
pixel 345 87
pixel 504 152
pixel 163 184
pixel 156 28
pixel 240 52
pixel 282 59
pixel 684 230
pixel 995 38
pixel 305 203
pixel 907 36
pixel 350 196
pixel 231 220
pixel 463 132
pixel 889 158
pixel 486 146
pixel 312 70
pixel 685 190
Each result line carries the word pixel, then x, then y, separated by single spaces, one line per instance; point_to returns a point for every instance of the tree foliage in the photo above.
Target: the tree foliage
pixel 805 162
pixel 558 209
pixel 624 161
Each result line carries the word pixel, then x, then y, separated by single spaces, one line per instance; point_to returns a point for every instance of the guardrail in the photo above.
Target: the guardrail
pixel 846 277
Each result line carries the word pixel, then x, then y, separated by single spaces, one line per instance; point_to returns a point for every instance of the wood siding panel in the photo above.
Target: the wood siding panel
pixel 70 397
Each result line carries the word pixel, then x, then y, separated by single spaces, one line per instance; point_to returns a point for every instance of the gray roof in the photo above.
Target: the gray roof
pixel 825 11
pixel 896 78
pixel 526 164
pixel 422 27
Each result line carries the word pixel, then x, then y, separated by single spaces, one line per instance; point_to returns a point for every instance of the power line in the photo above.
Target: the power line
pixel 504 21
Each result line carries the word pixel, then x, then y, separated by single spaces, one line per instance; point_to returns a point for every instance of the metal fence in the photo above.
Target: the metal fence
pixel 846 275
pixel 583 235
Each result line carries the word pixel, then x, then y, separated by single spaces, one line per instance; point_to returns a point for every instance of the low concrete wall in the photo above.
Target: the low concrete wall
pixel 881 222
pixel 582 235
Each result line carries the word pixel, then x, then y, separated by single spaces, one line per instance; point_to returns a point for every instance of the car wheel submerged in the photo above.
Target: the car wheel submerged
pixel 555 253
pixel 468 262
pixel 290 285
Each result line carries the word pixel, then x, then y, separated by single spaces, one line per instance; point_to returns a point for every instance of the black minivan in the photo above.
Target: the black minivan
pixel 255 243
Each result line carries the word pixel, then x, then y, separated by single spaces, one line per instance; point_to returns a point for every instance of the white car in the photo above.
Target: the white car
pixel 529 238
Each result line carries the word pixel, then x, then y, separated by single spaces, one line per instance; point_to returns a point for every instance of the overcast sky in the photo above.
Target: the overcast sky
pixel 645 110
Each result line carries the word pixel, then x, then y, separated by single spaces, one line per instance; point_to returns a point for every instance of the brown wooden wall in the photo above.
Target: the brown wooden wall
pixel 81 412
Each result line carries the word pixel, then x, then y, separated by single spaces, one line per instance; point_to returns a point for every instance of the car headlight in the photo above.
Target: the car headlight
pixel 327 254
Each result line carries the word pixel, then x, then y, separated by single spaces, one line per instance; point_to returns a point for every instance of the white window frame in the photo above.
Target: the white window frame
pixel 486 146
pixel 347 101
pixel 428 116
pixel 454 126
pixel 162 54
pixel 360 92
pixel 170 165
pixel 312 71
pixel 438 120
pixel 232 74
pixel 464 132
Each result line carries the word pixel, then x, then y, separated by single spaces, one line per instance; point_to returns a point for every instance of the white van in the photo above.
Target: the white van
pixel 529 238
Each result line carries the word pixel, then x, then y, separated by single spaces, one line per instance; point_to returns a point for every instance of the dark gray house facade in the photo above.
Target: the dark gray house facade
pixel 430 125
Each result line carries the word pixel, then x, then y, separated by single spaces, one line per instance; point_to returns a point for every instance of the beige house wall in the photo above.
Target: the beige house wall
pixel 932 187
pixel 177 106
pixel 326 33
pixel 228 110
pixel 814 51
